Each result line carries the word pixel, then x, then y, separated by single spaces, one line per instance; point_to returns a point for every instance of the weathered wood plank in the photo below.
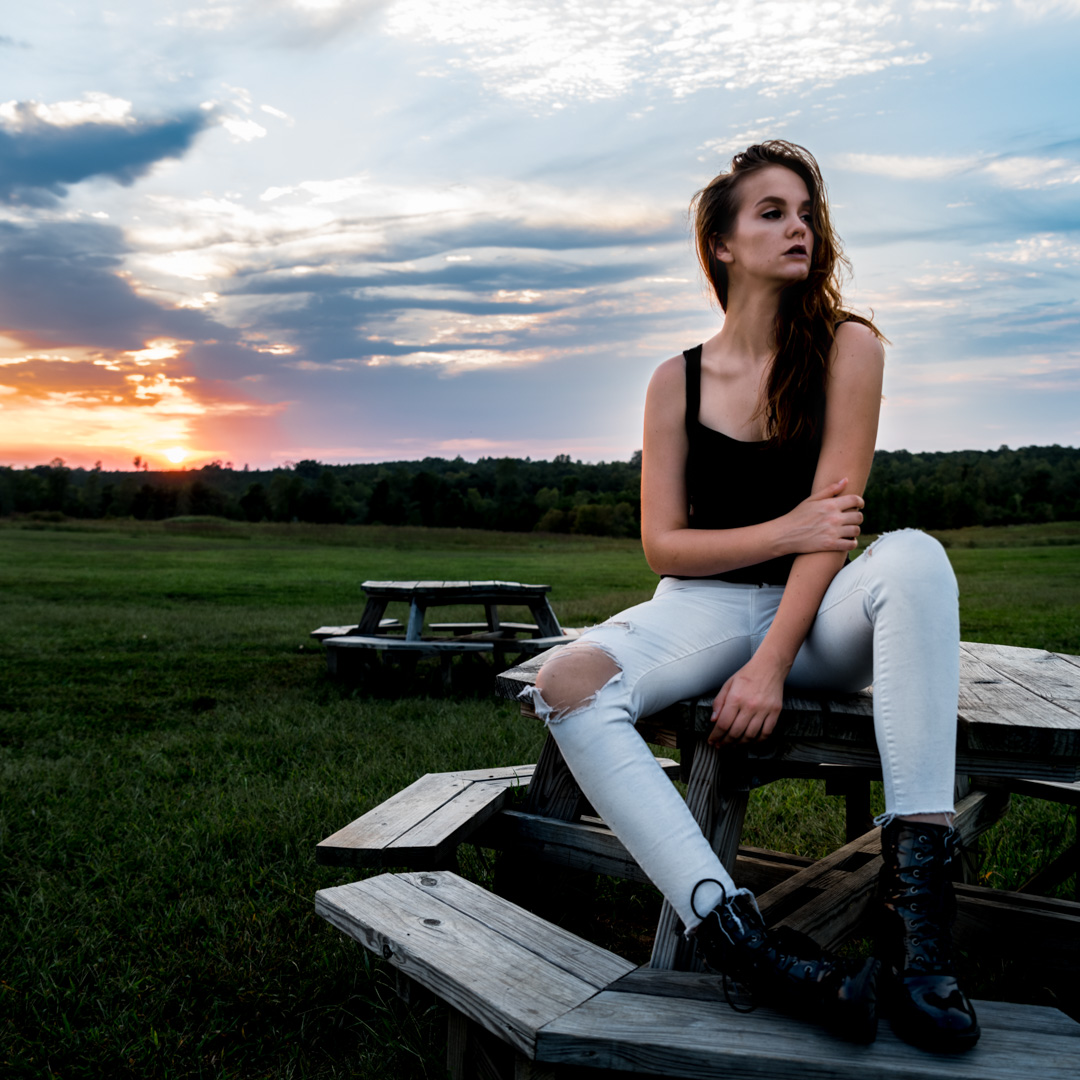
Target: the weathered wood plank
pixel 404 645
pixel 521 773
pixel 574 845
pixel 1043 931
pixel 579 845
pixel 383 824
pixel 324 632
pixel 706 1039
pixel 1045 674
pixel 507 628
pixel 501 985
pixel 438 834
pixel 998 713
pixel 421 825
pixel 1050 790
pixel 450 592
pixel 574 955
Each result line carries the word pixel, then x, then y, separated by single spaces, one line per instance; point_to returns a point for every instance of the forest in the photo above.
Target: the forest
pixel 941 490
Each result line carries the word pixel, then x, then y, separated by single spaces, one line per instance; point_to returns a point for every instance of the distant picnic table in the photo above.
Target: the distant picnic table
pixel 375 634
pixel 549 1001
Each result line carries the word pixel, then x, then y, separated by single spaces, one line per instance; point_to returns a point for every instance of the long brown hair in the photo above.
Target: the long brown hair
pixel 809 311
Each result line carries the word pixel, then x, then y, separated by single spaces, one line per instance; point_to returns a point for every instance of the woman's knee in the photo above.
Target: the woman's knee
pixel 573 676
pixel 914 556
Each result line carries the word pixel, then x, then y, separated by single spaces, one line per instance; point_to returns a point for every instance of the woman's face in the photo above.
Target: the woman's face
pixel 772 238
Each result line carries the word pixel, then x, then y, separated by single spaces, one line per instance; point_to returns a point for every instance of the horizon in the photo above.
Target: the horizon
pixel 371 231
pixel 246 467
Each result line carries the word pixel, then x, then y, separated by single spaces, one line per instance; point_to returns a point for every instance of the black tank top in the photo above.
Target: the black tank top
pixel 731 483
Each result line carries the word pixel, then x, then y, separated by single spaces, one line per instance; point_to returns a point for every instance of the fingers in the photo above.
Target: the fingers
pixel 738 721
pixel 830 491
pixel 746 726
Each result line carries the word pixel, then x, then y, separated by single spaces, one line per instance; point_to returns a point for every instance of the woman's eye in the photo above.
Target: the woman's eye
pixel 771 214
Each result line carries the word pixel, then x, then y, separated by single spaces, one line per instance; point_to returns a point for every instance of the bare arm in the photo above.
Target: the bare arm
pixel 749 703
pixel 827 521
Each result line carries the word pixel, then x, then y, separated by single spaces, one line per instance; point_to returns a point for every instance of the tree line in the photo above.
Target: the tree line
pixel 943 490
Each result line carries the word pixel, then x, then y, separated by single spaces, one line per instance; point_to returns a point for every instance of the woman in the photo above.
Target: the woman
pixel 757 449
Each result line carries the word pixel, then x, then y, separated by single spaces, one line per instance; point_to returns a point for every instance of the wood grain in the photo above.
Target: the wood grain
pixel 683 1037
pixel 422 824
pixel 504 986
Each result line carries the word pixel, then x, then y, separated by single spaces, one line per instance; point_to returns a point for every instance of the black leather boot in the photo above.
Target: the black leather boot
pixel 926 1005
pixel 789 970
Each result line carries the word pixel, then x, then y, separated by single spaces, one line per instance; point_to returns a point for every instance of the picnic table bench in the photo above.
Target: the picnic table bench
pixel 529 999
pixel 372 635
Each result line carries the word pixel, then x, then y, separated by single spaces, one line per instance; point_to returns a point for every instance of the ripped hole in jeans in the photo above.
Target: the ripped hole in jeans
pixel 571 679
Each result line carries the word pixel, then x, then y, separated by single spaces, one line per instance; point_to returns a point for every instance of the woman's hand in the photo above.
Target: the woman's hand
pixel 829 520
pixel 749 703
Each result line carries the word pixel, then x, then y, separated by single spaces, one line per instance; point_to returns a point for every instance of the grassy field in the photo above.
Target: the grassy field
pixel 171 750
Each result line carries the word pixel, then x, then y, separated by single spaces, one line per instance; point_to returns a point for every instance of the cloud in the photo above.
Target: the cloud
pixel 44 149
pixel 291 23
pixel 574 50
pixel 1059 251
pixel 1016 172
pixel 62 283
pixel 349 268
pixel 91 368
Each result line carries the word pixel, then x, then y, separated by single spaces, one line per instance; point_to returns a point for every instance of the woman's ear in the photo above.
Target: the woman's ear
pixel 720 251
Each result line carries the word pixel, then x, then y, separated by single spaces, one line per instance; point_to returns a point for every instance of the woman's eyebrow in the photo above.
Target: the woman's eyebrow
pixel 806 204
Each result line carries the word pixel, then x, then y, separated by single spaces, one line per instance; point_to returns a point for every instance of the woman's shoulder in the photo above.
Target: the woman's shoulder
pixel 667 387
pixel 855 341
pixel 857 364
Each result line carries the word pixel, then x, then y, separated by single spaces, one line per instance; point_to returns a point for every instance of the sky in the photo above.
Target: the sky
pixel 261 231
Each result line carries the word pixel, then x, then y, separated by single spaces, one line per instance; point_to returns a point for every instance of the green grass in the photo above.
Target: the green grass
pixel 171 750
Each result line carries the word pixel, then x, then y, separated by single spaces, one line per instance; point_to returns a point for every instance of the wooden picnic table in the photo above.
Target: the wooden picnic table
pixel 375 634
pixel 1019 729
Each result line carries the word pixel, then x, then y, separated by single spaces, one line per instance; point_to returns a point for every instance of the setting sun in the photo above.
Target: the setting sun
pixel 176 454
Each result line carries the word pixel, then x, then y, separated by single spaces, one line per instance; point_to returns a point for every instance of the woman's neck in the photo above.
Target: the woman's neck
pixel 749 328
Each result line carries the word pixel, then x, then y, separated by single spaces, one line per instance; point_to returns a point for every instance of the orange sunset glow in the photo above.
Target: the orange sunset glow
pixel 86 405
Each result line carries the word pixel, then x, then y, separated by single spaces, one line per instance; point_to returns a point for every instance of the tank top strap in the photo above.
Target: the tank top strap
pixel 693 384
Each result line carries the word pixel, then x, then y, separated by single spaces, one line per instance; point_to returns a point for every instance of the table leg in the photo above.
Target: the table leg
pixel 717 797
pixel 967 869
pixel 544 617
pixel 415 629
pixel 373 613
pixel 855 791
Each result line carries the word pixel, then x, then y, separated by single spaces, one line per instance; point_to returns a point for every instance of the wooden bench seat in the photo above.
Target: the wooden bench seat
pixel 561 1002
pixel 342 651
pixel 324 632
pixel 501 966
pixel 422 825
pixel 507 628
pixel 669 1023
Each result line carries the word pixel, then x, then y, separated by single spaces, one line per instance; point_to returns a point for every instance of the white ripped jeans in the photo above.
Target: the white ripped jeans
pixel 890 617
